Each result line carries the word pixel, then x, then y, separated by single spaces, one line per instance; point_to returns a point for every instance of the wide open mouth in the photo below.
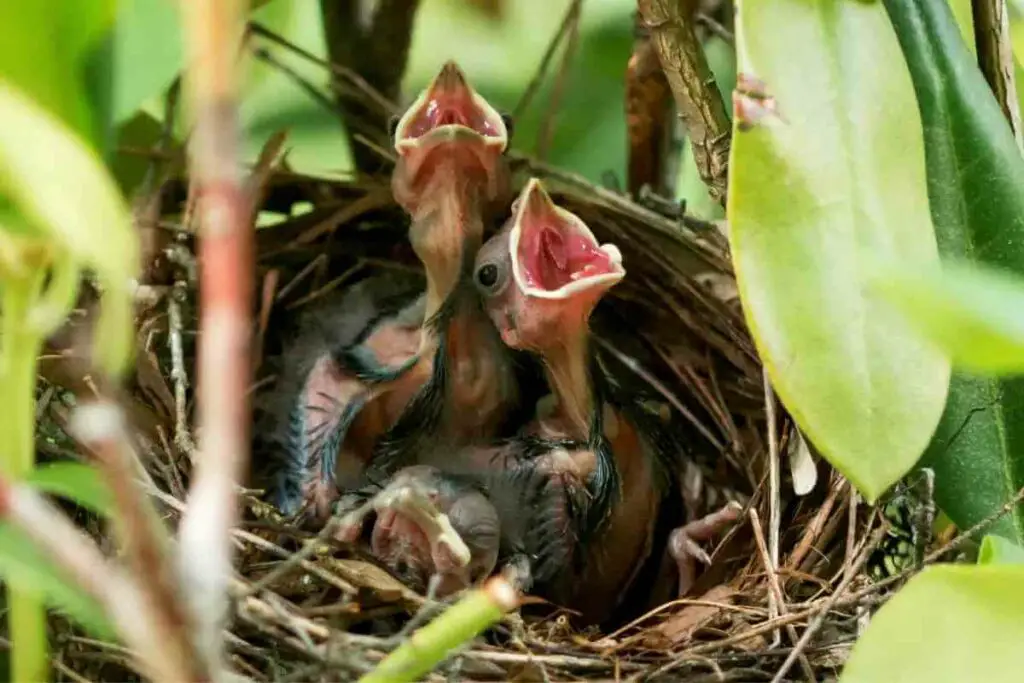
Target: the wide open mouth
pixel 449 110
pixel 554 253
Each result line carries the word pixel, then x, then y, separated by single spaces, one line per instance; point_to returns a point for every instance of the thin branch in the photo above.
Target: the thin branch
pixel 698 99
pixel 775 589
pixel 76 554
pixel 547 124
pixel 774 494
pixel 545 61
pixel 827 606
pixel 995 57
pixel 214 31
pixel 99 427
pixel 648 119
pixel 182 433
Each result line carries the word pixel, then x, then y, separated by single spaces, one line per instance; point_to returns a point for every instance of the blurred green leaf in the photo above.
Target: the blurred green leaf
pixel 77 203
pixel 148 53
pixel 812 192
pixel 949 624
pixel 58 57
pixel 978 449
pixel 962 13
pixel 975 315
pixel 274 100
pixel 999 550
pixel 24 565
pixel 75 481
pixel 140 132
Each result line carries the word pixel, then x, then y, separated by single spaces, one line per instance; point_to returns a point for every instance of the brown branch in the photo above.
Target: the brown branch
pixel 213 32
pixel 547 124
pixel 377 49
pixel 697 97
pixel 995 57
pixel 571 14
pixel 77 556
pixel 99 427
pixel 648 118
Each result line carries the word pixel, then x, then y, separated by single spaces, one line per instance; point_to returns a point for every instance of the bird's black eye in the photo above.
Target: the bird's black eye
pixel 487 275
pixel 393 126
pixel 509 124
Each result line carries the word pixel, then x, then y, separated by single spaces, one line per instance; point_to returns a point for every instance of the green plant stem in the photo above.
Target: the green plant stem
pixel 461 623
pixel 20 346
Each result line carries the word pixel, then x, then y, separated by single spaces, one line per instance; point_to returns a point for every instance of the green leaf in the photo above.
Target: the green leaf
pixel 976 189
pixel 949 624
pixel 58 58
pixel 999 550
pixel 274 101
pixel 77 203
pixel 148 55
pixel 22 563
pixel 974 315
pixel 74 481
pixel 815 194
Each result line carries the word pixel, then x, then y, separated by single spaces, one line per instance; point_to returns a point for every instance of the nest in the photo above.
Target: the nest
pixel 332 616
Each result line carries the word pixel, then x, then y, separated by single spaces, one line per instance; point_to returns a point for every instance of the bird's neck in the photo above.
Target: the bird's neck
pixel 567 365
pixel 447 230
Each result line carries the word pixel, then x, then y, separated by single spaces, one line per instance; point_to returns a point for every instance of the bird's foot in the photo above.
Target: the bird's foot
pixel 684 542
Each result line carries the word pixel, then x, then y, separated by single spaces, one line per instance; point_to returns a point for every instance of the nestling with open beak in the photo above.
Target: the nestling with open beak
pixel 414 366
pixel 451 170
pixel 541 277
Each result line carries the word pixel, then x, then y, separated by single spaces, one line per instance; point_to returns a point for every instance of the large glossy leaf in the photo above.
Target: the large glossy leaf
pixel 77 203
pixel 949 624
pixel 23 564
pixel 976 316
pixel 976 188
pixel 833 181
pixel 999 550
pixel 76 482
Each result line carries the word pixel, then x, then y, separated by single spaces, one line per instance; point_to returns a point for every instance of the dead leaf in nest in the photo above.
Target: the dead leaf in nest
pixel 801 464
pixel 151 381
pixel 369 576
pixel 684 624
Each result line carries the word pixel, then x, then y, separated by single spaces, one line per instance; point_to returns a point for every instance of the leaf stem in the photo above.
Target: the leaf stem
pixel 20 345
pixel 431 644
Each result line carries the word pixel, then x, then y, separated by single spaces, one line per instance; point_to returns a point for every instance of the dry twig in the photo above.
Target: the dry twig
pixel 698 99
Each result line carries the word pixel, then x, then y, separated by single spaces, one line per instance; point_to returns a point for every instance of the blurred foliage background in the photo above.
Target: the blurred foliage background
pixel 499 44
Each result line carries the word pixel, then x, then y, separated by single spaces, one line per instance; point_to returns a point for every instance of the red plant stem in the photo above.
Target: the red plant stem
pixel 99 426
pixel 77 556
pixel 213 32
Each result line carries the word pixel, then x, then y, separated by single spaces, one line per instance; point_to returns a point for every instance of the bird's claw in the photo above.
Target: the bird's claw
pixel 683 542
pixel 412 501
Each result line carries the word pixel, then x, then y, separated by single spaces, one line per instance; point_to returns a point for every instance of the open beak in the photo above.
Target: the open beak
pixel 554 253
pixel 450 112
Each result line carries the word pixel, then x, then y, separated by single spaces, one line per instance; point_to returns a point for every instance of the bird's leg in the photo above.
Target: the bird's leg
pixel 684 542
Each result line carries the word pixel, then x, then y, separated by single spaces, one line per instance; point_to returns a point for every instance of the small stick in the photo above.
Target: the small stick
pixel 829 603
pixel 99 427
pixel 77 555
pixel 182 433
pixel 776 590
pixel 774 496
